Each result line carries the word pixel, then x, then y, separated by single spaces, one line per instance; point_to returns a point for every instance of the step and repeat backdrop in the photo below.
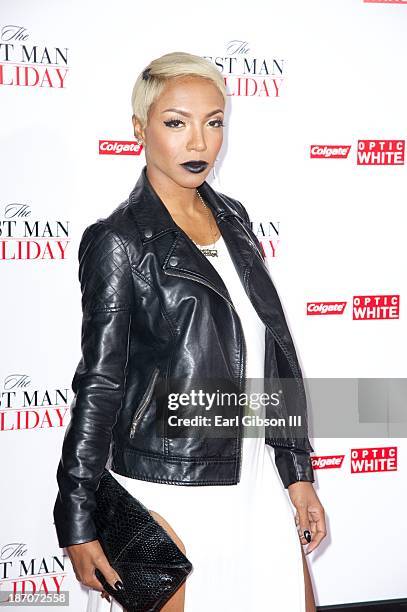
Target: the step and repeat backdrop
pixel 315 149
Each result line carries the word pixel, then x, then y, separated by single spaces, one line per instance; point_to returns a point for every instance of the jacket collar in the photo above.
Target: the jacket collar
pixel 152 217
pixel 179 256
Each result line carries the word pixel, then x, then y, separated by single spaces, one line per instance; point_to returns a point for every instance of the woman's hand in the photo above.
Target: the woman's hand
pixel 85 558
pixel 310 514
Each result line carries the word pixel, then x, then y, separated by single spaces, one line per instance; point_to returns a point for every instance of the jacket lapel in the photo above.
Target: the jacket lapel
pixel 178 255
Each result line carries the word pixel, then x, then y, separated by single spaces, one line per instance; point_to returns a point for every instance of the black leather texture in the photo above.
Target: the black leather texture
pixel 155 309
pixel 150 564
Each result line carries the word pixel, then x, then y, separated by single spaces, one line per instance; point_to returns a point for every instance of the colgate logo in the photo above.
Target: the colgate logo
pixel 327 461
pixel 330 151
pixel 325 308
pixel 119 147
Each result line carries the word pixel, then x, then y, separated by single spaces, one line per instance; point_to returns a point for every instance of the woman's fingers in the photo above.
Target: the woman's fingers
pixel 303 524
pixel 319 532
pixel 105 595
pixel 88 557
pixel 309 517
pixel 316 526
pixel 109 574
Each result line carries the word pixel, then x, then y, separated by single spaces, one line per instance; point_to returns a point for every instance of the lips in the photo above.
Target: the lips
pixel 195 165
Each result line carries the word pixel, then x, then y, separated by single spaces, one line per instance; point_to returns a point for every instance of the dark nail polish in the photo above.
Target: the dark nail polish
pixel 307 535
pixel 118 585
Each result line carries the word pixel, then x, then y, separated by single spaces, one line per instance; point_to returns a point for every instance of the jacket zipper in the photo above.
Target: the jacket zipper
pixel 144 401
pixel 243 378
pixel 242 374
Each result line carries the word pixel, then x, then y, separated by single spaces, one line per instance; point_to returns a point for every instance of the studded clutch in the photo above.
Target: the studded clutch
pixel 151 565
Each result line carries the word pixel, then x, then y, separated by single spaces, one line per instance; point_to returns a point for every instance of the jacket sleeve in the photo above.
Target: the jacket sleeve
pixel 293 464
pixel 98 382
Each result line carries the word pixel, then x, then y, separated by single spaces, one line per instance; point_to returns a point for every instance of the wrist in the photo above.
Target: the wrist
pixel 300 484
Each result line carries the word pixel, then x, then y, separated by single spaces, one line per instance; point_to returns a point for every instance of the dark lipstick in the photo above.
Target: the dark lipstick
pixel 195 166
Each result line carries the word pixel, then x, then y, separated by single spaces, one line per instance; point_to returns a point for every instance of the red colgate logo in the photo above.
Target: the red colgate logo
pixel 324 462
pixel 119 147
pixel 380 152
pixel 376 307
pixel 380 459
pixel 330 151
pixel 325 308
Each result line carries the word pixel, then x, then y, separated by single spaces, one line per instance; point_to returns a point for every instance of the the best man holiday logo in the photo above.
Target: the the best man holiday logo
pixel 25 238
pixel 249 74
pixel 268 234
pixel 23 407
pixel 32 580
pixel 25 63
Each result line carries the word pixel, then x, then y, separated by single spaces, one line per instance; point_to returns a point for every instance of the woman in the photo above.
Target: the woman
pixel 174 285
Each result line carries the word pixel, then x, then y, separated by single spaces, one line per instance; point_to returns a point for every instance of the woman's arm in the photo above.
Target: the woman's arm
pixel 293 465
pixel 98 383
pixel 297 475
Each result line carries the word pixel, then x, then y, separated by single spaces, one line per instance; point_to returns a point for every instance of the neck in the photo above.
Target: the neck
pixel 177 199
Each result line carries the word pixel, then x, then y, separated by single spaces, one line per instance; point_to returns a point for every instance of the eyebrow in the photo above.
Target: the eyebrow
pixel 177 110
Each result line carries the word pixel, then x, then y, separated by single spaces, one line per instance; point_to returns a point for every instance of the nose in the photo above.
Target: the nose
pixel 197 140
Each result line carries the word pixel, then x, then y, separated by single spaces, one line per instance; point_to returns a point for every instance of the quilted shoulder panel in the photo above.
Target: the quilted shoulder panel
pixel 104 270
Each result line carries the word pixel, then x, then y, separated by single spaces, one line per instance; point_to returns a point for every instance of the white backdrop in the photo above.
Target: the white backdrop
pixel 336 76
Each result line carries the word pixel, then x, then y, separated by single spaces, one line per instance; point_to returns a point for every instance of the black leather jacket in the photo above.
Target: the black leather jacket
pixel 153 305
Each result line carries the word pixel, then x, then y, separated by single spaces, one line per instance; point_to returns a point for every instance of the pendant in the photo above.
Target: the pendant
pixel 210 252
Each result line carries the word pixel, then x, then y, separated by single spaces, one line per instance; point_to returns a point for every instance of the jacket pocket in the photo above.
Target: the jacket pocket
pixel 144 402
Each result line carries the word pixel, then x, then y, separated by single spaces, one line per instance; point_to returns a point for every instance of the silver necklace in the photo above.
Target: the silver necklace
pixel 207 249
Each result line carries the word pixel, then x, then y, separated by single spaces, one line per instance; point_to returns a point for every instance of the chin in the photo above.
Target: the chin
pixel 190 179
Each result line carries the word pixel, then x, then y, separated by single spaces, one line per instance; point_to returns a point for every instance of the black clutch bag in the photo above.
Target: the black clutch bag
pixel 152 567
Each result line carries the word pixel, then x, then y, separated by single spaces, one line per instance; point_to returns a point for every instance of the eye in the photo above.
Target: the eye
pixel 173 122
pixel 218 121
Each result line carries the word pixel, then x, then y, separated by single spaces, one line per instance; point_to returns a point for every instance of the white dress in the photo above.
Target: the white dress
pixel 241 539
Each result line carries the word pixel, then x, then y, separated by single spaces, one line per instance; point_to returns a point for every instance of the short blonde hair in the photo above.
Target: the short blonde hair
pixel 152 79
